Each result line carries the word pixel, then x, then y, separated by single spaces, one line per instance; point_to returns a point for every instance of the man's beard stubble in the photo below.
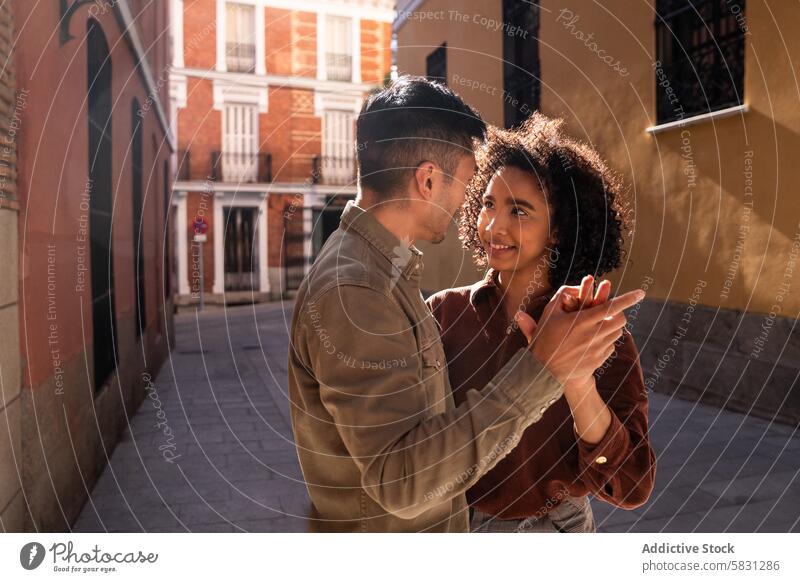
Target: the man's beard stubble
pixel 440 219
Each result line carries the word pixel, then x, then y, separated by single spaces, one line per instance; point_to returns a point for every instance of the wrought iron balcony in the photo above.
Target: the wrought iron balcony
pixel 338 67
pixel 241 168
pixel 333 171
pixel 240 57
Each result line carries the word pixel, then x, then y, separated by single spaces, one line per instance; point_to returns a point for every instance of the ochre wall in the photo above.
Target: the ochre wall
pixel 474 70
pixel 687 233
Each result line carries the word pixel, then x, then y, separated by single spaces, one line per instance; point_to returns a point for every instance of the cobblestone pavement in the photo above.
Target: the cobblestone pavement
pixel 212 449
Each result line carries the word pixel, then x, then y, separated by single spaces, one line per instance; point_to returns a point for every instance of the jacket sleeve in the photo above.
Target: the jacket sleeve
pixel 620 469
pixel 372 380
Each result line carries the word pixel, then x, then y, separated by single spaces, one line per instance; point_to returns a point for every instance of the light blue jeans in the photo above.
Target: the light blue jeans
pixel 572 515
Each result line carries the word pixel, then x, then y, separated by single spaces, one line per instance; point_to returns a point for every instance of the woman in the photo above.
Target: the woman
pixel 542 211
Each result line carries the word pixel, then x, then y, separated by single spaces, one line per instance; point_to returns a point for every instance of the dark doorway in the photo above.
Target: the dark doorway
pixel 293 245
pixel 104 316
pixel 241 249
pixel 326 221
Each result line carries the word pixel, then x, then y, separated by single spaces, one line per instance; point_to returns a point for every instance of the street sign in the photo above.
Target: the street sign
pixel 200 225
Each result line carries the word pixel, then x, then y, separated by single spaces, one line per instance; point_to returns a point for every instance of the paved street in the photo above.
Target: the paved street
pixel 211 449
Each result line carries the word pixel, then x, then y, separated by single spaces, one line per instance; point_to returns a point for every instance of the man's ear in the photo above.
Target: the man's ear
pixel 423 179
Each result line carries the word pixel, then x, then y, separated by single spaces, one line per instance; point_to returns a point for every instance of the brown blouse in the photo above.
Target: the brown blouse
pixel 551 461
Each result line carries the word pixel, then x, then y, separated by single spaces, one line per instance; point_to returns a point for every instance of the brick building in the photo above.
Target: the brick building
pixel 85 309
pixel 265 94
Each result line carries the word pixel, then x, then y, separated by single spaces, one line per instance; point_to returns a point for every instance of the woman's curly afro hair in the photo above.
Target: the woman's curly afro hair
pixel 583 194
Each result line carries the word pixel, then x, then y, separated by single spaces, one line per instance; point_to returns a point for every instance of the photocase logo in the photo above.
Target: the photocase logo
pixel 31 555
pixel 403 254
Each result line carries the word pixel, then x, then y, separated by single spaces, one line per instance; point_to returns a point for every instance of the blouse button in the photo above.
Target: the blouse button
pixel 601 460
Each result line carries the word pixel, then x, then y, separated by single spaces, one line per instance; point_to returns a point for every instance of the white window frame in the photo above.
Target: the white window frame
pixel 256 200
pixel 338 140
pixel 355 23
pixel 222 31
pixel 235 165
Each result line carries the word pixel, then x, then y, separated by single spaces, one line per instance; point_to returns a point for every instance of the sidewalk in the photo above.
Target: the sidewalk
pixel 212 449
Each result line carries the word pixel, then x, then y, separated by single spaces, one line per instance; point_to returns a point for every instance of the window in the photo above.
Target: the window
pixel 99 98
pixel 436 65
pixel 338 164
pixel 240 40
pixel 699 57
pixel 339 48
pixel 140 315
pixel 521 69
pixel 239 143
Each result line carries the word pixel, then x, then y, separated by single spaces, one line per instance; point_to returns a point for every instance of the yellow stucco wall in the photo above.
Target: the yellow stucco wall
pixel 688 226
pixel 472 55
pixel 695 238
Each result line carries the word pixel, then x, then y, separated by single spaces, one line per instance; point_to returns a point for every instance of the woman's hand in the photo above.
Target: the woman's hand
pixel 591 415
pixel 572 346
pixel 581 297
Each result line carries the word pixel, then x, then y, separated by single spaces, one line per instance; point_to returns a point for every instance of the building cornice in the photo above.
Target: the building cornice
pixel 378 10
pixel 226 91
pixel 181 188
pixel 273 81
pixel 324 101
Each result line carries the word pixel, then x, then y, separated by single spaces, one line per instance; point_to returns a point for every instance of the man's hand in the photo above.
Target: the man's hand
pixel 573 344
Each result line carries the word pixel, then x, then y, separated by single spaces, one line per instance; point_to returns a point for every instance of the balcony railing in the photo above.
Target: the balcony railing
pixel 339 67
pixel 241 168
pixel 240 57
pixel 333 171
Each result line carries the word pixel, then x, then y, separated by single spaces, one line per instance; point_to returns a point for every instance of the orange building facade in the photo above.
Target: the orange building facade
pixel 265 94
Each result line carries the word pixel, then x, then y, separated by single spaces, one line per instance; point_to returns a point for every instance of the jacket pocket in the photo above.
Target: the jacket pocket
pixel 434 376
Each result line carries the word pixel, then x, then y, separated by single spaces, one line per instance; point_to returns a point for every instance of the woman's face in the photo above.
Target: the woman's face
pixel 514 223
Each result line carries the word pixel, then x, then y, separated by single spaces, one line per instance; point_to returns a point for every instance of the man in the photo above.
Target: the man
pixel 380 442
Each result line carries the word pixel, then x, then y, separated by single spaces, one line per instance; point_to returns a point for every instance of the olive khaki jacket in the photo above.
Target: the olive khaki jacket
pixel 381 444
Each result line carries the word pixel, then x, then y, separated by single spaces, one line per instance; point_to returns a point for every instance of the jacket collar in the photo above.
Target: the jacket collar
pixel 405 258
pixel 488 292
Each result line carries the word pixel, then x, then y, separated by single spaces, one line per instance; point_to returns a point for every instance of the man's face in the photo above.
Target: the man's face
pixel 448 197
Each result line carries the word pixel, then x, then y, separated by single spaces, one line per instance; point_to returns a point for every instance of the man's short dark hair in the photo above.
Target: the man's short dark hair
pixel 411 121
